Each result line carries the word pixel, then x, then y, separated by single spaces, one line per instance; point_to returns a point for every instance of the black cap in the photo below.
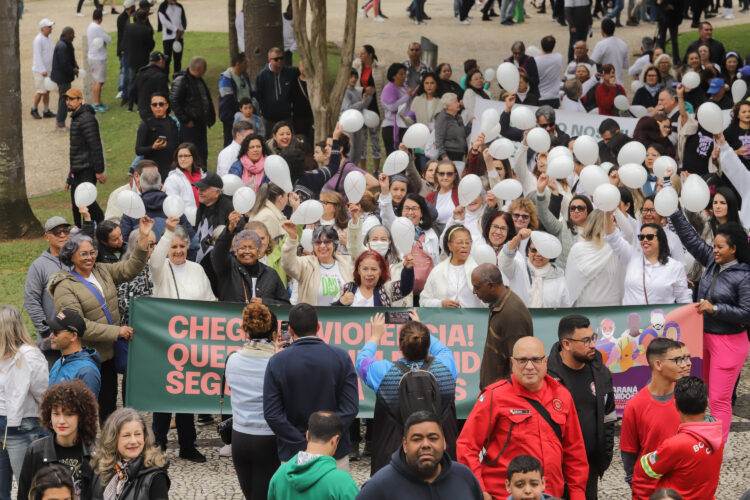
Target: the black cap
pixel 157 56
pixel 211 179
pixel 67 319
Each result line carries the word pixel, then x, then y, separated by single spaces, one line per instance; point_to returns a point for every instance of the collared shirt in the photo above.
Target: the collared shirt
pixel 414 75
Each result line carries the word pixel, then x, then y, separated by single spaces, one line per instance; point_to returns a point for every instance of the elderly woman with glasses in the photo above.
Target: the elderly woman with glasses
pixel 449 284
pixel 322 275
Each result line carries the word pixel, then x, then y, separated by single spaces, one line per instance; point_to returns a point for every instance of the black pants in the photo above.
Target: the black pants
pixel 575 36
pixel 97 5
pixel 197 135
pixel 390 144
pixel 172 55
pixel 97 215
pixel 555 103
pixel 466 6
pixel 698 7
pixel 455 155
pixel 487 7
pixel 62 104
pixel 108 390
pixel 673 29
pixel 255 459
pixel 592 485
pixel 558 10
pixel 227 126
pixel 185 429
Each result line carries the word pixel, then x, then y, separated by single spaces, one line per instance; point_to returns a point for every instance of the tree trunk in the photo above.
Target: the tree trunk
pixel 232 29
pixel 313 51
pixel 262 31
pixel 18 220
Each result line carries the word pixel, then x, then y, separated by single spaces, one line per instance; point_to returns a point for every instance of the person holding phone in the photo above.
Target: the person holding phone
pixel 372 285
pixel 158 135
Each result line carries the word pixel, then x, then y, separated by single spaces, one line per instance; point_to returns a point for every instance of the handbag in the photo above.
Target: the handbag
pixel 224 427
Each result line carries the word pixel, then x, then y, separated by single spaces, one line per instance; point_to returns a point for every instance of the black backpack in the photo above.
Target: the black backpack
pixel 418 389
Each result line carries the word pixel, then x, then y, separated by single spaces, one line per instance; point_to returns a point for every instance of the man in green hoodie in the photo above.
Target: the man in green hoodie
pixel 312 474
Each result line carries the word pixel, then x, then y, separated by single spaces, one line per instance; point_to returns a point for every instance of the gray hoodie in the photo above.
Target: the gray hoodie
pixel 36 299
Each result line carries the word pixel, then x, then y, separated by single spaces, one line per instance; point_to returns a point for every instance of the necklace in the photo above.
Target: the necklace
pixel 327 267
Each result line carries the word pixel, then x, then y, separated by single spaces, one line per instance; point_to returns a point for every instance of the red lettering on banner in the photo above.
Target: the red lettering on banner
pixel 184 355
pixel 456 336
pixel 470 362
pixel 196 355
pixel 204 327
pixel 325 333
pixel 172 328
pixel 471 335
pixel 174 382
pixel 192 382
pixel 358 333
pixel 234 330
pixel 217 328
pixel 460 391
pixel 211 384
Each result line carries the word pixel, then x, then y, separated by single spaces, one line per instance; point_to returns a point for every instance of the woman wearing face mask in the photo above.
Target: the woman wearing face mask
pixel 536 279
pixel 449 284
pixel 445 197
pixel 373 285
pixel 250 162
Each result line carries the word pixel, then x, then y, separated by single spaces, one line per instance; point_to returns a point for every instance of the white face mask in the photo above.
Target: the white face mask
pixel 379 246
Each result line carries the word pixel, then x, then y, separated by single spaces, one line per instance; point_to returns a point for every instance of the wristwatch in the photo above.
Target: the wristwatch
pixel 716 308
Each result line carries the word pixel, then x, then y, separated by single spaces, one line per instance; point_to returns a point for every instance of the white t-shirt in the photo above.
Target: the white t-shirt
pixel 227 156
pixel 331 282
pixel 93 32
pixel 614 51
pixel 92 279
pixel 42 59
pixel 361 301
pixel 444 205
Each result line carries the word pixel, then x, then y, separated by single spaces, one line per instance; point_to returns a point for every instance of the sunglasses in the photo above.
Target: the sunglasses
pixel 60 232
pixel 522 216
pixel 277 59
pixel 446 174
pixel 648 237
pixel 158 104
pixel 547 125
pixel 577 208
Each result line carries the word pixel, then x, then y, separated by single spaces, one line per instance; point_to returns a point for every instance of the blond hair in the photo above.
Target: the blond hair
pixel 595 227
pixel 13 333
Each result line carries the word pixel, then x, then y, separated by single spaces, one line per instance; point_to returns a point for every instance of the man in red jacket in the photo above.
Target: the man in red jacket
pixel 689 462
pixel 528 414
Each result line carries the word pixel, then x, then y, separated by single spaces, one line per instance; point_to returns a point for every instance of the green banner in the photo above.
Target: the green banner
pixel 177 355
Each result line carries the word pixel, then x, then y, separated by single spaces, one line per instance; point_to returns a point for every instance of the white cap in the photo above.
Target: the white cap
pixel 128 3
pixel 46 22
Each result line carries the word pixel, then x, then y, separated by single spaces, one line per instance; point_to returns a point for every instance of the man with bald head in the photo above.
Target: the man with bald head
pixel 529 413
pixel 509 321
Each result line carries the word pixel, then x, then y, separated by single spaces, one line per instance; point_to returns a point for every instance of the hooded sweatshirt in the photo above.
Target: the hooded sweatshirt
pixel 689 462
pixel 82 365
pixel 307 476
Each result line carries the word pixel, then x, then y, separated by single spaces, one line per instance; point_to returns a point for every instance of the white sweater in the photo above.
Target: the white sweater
pixel 438 286
pixel 193 284
pixel 178 184
pixel 25 381
pixel 555 292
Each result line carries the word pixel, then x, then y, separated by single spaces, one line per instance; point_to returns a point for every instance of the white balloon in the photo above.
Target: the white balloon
pixel 354 186
pixel 538 139
pixel 695 193
pixel 607 197
pixel 508 189
pixel 396 162
pixel 402 232
pixel 177 46
pixel 483 254
pixel 306 240
pixel 372 119
pixel 632 152
pixel 502 149
pixel 460 167
pixel 739 89
pixel 190 214
pixel 522 117
pixel 492 133
pixel 490 117
pixel 231 184
pixel 81 73
pixel 131 204
pixel 243 199
pixel 351 120
pixel 636 85
pixel 586 149
pixel 277 171
pixel 489 75
pixel 638 111
pixel 606 166
pixel 592 176
pixel 174 206
pixel 560 168
pixel 661 164
pixel 98 43
pixel 691 79
pixel 711 117
pixel 559 151
pixel 533 51
pixel 547 245
pixel 633 175
pixel 416 136
pixel 309 212
pixel 85 194
pixel 622 103
pixel 468 189
pixel 49 84
pixel 507 76
pixel 666 201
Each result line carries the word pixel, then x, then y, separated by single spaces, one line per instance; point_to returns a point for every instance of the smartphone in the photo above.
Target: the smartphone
pixel 285 335
pixel 397 317
pixel 162 138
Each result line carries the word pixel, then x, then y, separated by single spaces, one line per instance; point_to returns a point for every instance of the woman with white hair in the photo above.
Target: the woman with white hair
pixel 663 63
pixel 450 131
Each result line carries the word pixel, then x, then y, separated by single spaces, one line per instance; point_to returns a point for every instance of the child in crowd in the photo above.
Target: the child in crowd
pixel 525 479
pixel 247 113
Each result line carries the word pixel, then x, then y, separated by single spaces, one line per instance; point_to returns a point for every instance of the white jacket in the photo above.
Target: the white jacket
pixel 431 243
pixel 514 268
pixel 178 184
pixel 26 380
pixel 194 285
pixel 272 217
pixel 436 287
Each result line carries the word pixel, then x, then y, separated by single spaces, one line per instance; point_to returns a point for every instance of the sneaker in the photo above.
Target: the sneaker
pixel 205 420
pixel 362 13
pixel 465 21
pixel 49 114
pixel 35 114
pixel 226 451
pixel 79 14
pixel 508 22
pixel 61 129
pixel 355 456
pixel 193 455
pixel 419 22
pixel 100 108
pixel 104 12
pixel 114 11
pixel 378 19
pixel 119 95
pixel 729 17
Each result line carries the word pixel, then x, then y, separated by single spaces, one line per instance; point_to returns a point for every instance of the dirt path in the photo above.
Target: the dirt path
pixel 46 151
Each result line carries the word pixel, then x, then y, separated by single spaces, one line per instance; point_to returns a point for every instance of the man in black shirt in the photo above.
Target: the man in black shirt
pixel 575 362
pixel 213 210
pixel 699 145
pixel 705 36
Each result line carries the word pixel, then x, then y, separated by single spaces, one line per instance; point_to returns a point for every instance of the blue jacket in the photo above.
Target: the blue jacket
pixel 306 377
pixel 228 103
pixel 731 293
pixel 273 91
pixel 83 365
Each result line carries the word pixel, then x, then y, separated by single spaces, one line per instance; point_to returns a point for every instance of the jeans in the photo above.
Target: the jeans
pixel 62 104
pixel 17 441
pixel 615 13
pixel 126 77
pixel 506 9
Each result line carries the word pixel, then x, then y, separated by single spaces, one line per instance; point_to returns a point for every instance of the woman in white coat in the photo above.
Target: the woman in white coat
pixel 268 208
pixel 449 284
pixel 187 169
pixel 536 279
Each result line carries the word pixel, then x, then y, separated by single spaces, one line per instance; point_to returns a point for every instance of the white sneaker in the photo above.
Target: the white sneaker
pixel 362 13
pixel 119 95
pixel 79 14
pixel 465 21
pixel 378 19
pixel 226 451
pixel 729 14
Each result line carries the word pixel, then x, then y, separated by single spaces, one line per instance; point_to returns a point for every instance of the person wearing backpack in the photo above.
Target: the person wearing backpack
pixel 76 362
pixel 423 380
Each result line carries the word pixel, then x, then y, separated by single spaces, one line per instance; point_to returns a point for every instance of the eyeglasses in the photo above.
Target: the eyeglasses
pixel 648 210
pixel 522 216
pixel 411 209
pixel 446 174
pixel 158 104
pixel 525 361
pixel 679 360
pixel 247 248
pixel 586 341
pixel 323 242
pixel 60 232
pixel 648 237
pixel 277 59
pixel 577 208
pixel 91 254
pixel 185 156
pixel 499 229
pixel 547 125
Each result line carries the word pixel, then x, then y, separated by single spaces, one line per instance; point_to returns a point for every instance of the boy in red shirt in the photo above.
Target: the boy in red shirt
pixel 689 462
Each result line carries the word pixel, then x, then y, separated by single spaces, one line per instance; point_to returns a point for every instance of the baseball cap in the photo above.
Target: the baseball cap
pixel 211 179
pixel 54 222
pixel 67 319
pixel 716 85
pixel 156 56
pixel 128 3
pixel 46 22
pixel 73 93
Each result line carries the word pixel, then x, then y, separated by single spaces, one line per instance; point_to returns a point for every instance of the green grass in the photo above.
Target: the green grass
pixel 733 37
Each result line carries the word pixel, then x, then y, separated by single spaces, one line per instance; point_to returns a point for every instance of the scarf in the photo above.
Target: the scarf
pixel 585 262
pixel 117 483
pixel 653 90
pixel 252 171
pixel 480 92
pixel 537 276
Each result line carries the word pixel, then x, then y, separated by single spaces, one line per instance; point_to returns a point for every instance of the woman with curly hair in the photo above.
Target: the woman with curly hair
pixel 127 463
pixel 69 412
pixel 254 451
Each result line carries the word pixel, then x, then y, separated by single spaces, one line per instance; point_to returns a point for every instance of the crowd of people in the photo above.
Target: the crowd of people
pixel 295 398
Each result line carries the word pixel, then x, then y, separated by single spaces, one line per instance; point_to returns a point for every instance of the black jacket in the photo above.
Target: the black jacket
pixel 122 21
pixel 138 44
pixel 85 143
pixel 731 292
pixel 148 131
pixel 191 100
pixel 42 452
pixel 644 98
pixel 235 282
pixel 63 62
pixel 273 91
pixel 144 483
pixel 454 481
pixel 516 134
pixel 605 404
pixel 163 10
pixel 148 80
